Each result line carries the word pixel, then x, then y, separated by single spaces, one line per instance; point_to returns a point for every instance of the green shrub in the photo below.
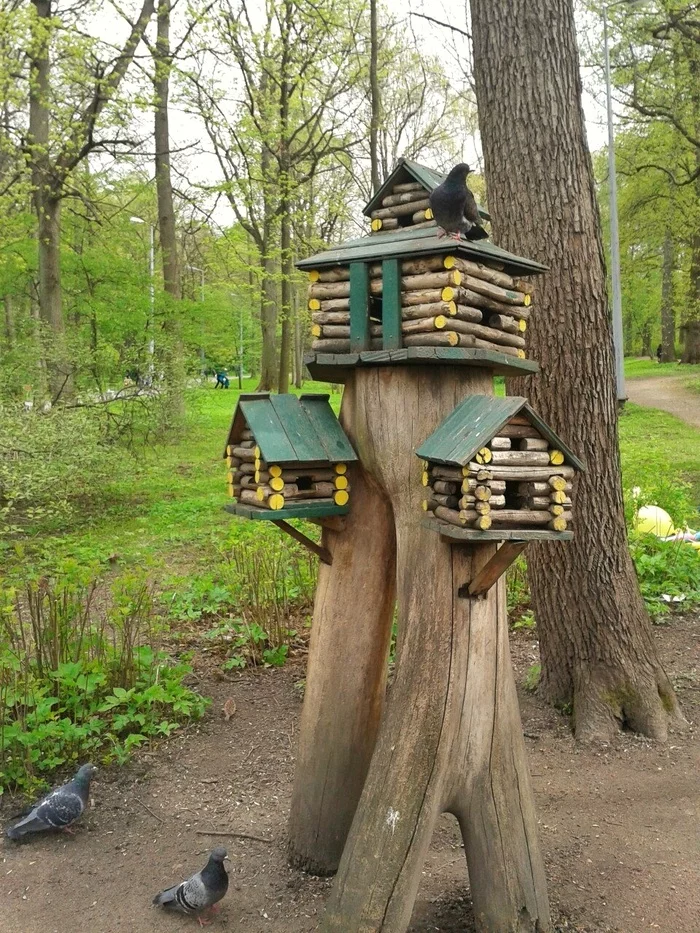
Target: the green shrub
pixel 78 683
pixel 665 567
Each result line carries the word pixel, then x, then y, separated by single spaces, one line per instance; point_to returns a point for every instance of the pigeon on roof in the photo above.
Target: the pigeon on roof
pixel 201 892
pixel 59 809
pixel 454 206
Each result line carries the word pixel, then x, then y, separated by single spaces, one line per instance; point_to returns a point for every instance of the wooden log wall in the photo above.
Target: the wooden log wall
pixel 514 482
pixel 445 301
pixel 406 205
pixel 271 486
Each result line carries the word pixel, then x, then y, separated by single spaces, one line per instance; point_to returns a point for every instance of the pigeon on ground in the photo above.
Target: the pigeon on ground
pixel 201 892
pixel 454 206
pixel 59 809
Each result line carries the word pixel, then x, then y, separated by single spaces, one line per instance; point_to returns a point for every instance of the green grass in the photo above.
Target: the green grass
pixel 645 368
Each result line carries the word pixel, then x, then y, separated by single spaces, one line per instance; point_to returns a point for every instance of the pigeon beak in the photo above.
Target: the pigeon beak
pixel 227 858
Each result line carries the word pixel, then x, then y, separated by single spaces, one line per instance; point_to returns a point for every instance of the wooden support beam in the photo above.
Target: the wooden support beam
pixel 359 306
pixel 321 552
pixel 391 304
pixel 479 586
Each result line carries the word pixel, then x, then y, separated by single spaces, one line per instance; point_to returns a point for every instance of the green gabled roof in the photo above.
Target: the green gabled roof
pixel 406 171
pixel 475 421
pixel 291 429
pixel 408 242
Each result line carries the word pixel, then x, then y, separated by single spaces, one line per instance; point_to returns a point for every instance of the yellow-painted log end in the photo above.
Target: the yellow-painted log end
pixel 440 322
pixel 556 457
pixel 259 494
pixel 229 461
pixel 456 277
pixel 276 502
pixel 452 308
pixel 315 330
pixel 453 338
pixel 341 497
pixel 341 482
pixel 341 468
pixel 314 304
pixel 424 505
pixel 448 293
pixel 449 262
pixel 522 326
pixel 521 354
pixel 229 478
pixel 229 450
pixel 486 455
pixel 276 483
pixel 275 470
pixel 425 478
pixel 559 523
pixel 314 275
pixel 557 482
pixel 558 495
pixel 258 463
pixel 527 301
pixel 230 491
pixel 428 213
pixel 556 509
pixel 257 452
pixel 483 522
pixel 376 224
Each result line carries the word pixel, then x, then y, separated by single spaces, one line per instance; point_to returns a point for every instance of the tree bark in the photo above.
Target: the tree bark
pixel 450 739
pixel 268 324
pixel 595 638
pixel 173 362
pixel 375 102
pixel 346 676
pixel 668 314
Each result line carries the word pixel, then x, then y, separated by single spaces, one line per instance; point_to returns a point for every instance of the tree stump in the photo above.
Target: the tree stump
pixel 346 673
pixel 450 739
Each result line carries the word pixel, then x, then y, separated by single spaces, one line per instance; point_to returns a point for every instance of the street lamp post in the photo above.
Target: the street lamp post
pixel 151 290
pixel 618 338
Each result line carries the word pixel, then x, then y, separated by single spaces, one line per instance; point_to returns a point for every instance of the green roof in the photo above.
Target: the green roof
pixel 291 429
pixel 410 242
pixel 407 171
pixel 476 420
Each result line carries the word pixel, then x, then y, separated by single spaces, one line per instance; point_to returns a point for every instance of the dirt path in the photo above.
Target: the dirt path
pixel 667 393
pixel 619 824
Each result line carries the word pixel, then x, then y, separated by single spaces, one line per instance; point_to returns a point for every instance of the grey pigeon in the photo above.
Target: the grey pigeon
pixel 454 206
pixel 200 892
pixel 59 809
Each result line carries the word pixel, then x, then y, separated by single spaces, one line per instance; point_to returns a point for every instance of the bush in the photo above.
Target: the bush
pixel 76 683
pixel 665 567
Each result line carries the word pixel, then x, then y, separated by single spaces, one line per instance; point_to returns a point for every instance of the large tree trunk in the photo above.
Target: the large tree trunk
pixel 595 638
pixel 451 738
pixel 668 314
pixel 287 269
pixel 173 362
pixel 268 324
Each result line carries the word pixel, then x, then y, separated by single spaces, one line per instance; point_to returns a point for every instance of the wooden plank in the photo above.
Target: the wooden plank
pixel 473 535
pixel 317 508
pixel 359 306
pixel 268 430
pixel 334 367
pixel 321 552
pixel 328 429
pixel 492 570
pixel 299 428
pixel 391 304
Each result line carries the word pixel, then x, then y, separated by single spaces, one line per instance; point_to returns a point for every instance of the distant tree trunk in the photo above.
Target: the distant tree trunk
pixel 691 343
pixel 173 356
pixel 9 322
pixel 298 343
pixel 374 97
pixel 646 340
pixel 595 638
pixel 668 317
pixel 268 324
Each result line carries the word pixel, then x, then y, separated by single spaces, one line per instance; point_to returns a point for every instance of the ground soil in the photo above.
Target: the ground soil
pixel 669 393
pixel 619 823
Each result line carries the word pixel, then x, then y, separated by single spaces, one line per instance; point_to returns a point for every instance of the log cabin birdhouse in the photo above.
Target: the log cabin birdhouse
pixel 493 470
pixel 409 296
pixel 402 201
pixel 287 458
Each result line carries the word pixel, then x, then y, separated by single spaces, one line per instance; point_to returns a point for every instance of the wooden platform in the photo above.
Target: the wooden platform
pixel 473 535
pixel 309 509
pixel 334 367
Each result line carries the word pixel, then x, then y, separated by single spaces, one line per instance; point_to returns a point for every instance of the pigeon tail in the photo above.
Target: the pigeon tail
pixel 30 824
pixel 166 897
pixel 476 232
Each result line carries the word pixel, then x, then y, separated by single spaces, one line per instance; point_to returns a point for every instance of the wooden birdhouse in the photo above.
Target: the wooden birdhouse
pixel 410 296
pixel 402 201
pixel 288 458
pixel 493 470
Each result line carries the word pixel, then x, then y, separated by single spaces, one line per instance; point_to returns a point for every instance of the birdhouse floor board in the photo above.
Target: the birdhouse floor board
pixel 292 510
pixel 473 536
pixel 335 367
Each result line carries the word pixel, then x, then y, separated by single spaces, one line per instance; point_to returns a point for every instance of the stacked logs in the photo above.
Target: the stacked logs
pixel 329 304
pixel 406 206
pixel 269 486
pixel 446 301
pixel 517 481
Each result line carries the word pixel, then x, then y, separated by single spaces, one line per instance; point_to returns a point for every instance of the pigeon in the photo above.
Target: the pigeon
pixel 59 809
pixel 200 892
pixel 454 206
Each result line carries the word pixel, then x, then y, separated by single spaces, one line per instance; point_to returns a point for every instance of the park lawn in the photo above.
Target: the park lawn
pixel 644 368
pixel 168 510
